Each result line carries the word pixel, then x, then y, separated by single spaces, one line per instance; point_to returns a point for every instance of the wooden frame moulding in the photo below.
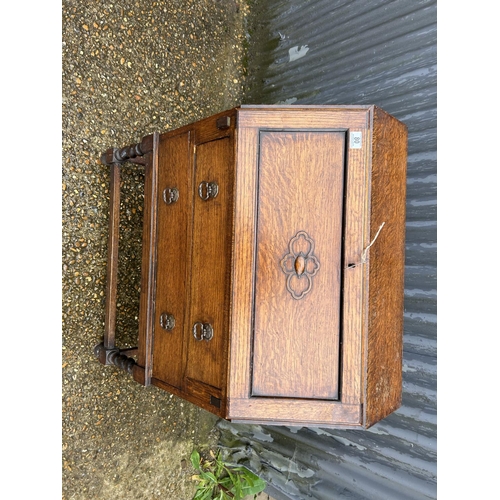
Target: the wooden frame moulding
pixel 242 405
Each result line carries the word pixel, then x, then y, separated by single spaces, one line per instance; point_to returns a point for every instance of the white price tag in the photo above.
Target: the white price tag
pixel 355 140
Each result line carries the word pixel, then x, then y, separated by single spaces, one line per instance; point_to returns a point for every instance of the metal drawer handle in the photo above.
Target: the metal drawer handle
pixel 170 195
pixel 203 331
pixel 167 321
pixel 208 190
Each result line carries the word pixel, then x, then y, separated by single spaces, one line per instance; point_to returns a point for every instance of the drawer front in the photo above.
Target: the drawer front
pixel 174 224
pixel 297 291
pixel 211 261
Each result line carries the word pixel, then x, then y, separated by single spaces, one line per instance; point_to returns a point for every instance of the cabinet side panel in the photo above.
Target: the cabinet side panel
pixel 386 267
pixel 174 224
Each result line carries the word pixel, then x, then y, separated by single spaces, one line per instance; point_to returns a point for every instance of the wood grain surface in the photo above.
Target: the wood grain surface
pixel 173 255
pixel 300 186
pixel 384 361
pixel 243 398
pixel 287 264
pixel 210 283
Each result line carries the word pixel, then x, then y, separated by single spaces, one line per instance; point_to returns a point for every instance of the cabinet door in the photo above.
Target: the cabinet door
pixel 174 226
pixel 293 360
pixel 210 280
pixel 298 265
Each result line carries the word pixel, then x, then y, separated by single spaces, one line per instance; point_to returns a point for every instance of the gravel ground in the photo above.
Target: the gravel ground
pixel 129 68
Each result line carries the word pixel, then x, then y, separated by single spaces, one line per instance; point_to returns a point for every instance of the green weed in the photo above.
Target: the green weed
pixel 220 481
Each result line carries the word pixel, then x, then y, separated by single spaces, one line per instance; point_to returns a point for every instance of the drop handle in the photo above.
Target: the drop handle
pixel 203 331
pixel 170 195
pixel 208 190
pixel 167 321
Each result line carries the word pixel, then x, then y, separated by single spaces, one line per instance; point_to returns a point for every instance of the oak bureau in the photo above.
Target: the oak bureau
pixel 272 264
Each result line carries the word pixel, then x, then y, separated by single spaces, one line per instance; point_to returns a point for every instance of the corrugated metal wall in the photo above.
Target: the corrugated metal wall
pixel 358 52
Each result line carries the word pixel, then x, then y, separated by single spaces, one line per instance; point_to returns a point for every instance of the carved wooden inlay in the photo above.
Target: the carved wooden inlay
pixel 300 265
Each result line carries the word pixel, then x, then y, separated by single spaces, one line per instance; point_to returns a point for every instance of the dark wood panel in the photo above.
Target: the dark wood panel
pixel 211 265
pixel 173 254
pixel 298 269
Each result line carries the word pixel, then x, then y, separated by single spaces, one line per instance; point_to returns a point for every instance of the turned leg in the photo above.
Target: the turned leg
pixel 106 351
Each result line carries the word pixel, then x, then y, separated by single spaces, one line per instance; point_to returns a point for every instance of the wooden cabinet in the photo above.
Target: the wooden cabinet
pixel 273 264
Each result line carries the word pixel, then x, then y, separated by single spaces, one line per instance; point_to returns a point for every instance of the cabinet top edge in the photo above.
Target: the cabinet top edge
pixel 361 107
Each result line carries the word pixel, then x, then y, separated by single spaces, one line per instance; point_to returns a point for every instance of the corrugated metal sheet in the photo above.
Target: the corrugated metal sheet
pixel 357 52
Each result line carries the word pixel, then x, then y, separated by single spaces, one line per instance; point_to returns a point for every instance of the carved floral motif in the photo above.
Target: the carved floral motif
pixel 300 265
